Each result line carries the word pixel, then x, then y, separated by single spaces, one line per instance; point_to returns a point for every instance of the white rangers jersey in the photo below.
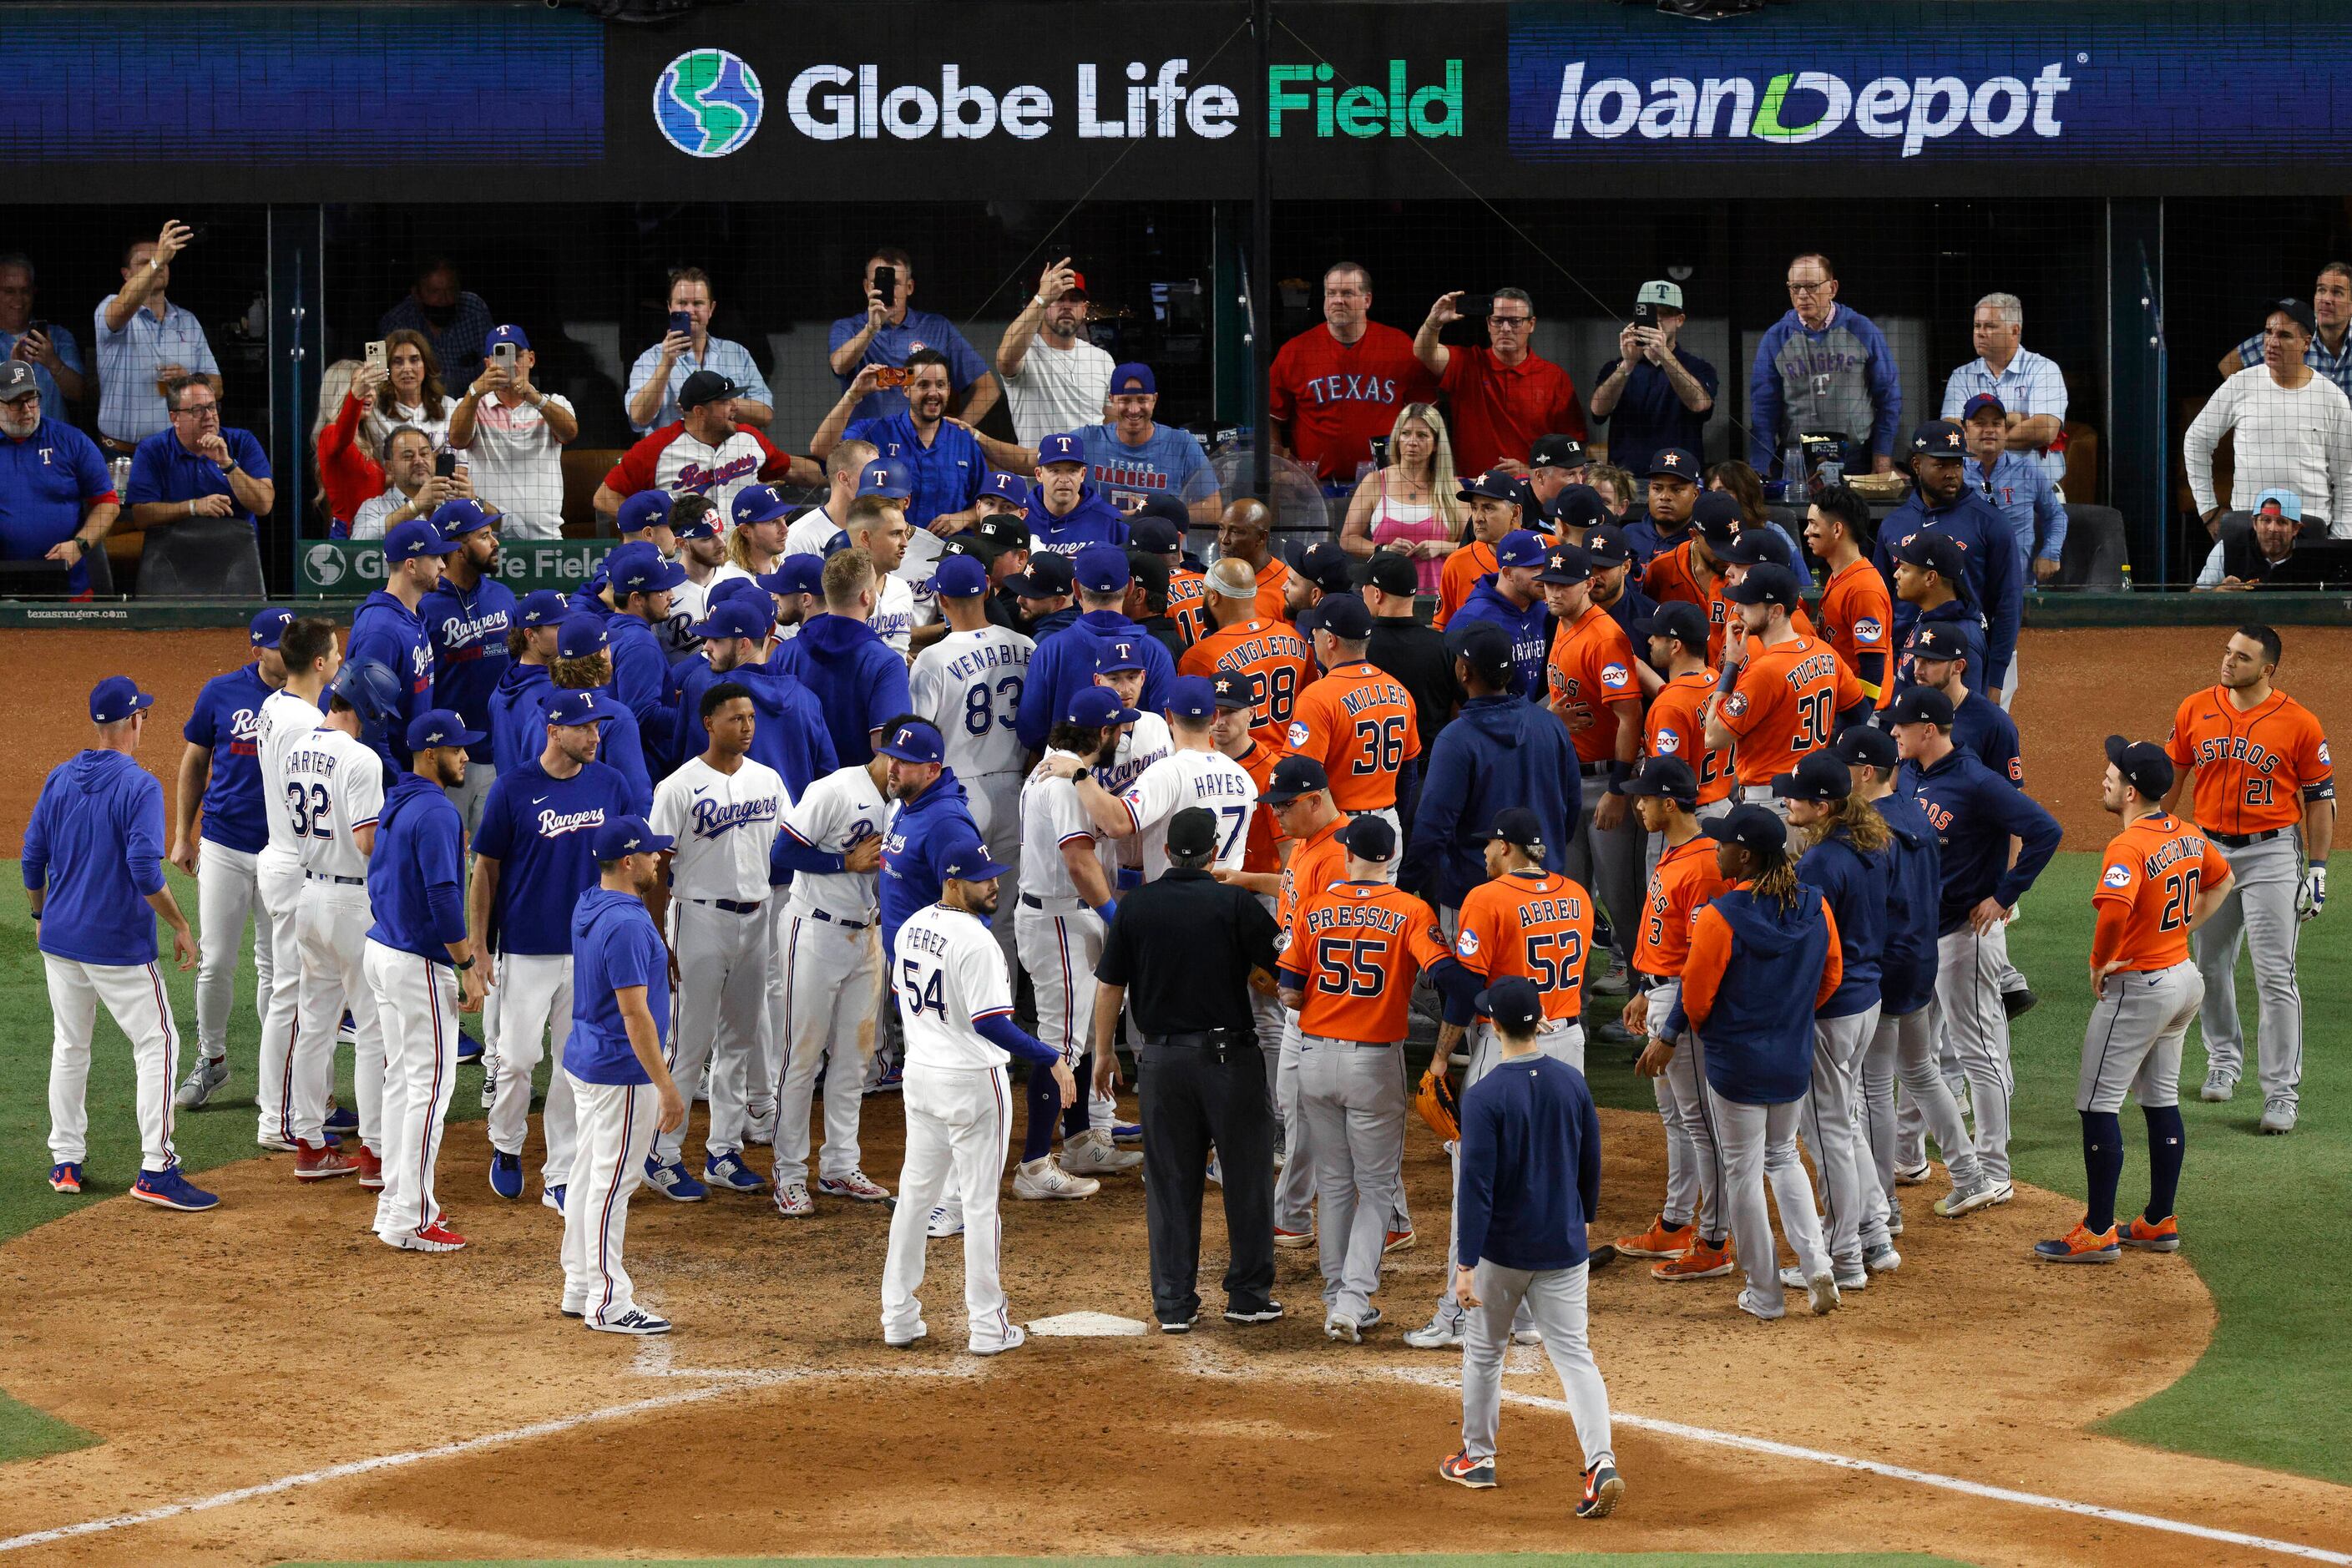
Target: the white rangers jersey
pixel 1051 817
pixel 969 684
pixel 332 786
pixel 725 825
pixel 1208 779
pixel 838 812
pixel 284 722
pixel 949 974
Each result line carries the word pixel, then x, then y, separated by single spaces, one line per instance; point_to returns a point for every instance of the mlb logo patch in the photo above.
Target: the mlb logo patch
pixel 2118 876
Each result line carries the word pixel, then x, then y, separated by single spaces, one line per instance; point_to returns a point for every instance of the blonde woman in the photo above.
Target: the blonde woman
pixel 1409 506
pixel 1618 491
pixel 348 475
pixel 412 393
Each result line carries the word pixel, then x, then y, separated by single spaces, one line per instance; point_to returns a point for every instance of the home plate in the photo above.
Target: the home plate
pixel 1085 1326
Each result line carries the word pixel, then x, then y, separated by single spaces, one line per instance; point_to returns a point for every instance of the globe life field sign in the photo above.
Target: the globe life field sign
pixel 708 103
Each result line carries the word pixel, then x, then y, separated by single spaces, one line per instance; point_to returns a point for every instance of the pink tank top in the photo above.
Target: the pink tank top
pixel 1410 522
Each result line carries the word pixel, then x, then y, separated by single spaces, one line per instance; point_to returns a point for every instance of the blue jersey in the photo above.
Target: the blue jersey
pixel 1758 1034
pixel 389 633
pixel 416 873
pixel 949 473
pixel 162 470
pixel 1528 629
pixel 1064 666
pixel 1633 612
pixel 615 946
pixel 1168 463
pixel 1857 886
pixel 47 481
pixel 539 830
pixel 1981 729
pixel 96 844
pixel 640 668
pixel 226 721
pixel 518 730
pixel 924 836
pixel 468 632
pixel 1974 813
pixel 1908 961
pixel 620 746
pixel 1996 573
pixel 1094 521
pixel 893 343
pixel 1531 1167
pixel 856 677
pixel 788 727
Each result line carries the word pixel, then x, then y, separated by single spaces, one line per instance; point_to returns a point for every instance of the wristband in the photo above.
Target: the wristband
pixel 463 964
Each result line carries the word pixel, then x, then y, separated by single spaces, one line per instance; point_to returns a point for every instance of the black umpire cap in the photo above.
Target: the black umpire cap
pixel 1192 831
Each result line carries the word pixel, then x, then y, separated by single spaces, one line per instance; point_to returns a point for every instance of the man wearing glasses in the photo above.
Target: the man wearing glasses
pixel 1502 397
pixel 1824 367
pixel 198 467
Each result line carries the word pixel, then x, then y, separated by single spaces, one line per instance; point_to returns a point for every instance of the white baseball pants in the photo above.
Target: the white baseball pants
pixel 1060 945
pixel 1904 1050
pixel 959 1132
pixel 537 999
pixel 278 886
pixel 1829 1127
pixel 330 923
pixel 416 1006
pixel 829 997
pixel 228 891
pixel 616 1128
pixel 1554 1301
pixel 721 1004
pixel 135 998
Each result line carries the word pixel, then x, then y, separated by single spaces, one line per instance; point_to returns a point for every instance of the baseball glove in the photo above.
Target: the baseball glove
pixel 1435 1101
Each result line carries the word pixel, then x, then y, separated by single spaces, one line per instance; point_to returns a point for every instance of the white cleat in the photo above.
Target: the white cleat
pixel 1042 1179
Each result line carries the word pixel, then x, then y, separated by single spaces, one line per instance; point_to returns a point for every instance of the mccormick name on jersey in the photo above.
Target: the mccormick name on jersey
pixel 711 818
pixel 2171 852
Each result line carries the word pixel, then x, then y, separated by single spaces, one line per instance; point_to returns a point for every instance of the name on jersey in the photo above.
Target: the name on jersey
pixel 2237 749
pixel 2170 853
pixel 1208 785
pixel 1276 646
pixel 1328 389
pixel 702 476
pixel 458 631
pixel 1369 694
pixel 713 817
pixel 1814 667
pixel 1539 912
pixel 986 656
pixel 1376 917
pixel 924 940
pixel 307 760
pixel 556 824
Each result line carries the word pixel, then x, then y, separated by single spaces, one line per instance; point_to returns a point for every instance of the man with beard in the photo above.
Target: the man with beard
pixel 1944 503
pixel 1055 378
pixel 467 615
pixel 948 468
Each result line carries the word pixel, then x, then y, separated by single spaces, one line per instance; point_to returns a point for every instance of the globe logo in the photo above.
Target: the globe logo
pixel 326 565
pixel 708 103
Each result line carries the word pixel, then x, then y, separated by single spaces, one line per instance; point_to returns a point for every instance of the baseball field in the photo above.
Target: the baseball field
pixel 265 1384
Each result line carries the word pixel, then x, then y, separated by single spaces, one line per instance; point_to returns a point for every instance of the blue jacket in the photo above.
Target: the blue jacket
pixel 1861 386
pixel 1094 521
pixel 925 834
pixel 1996 579
pixel 1531 1167
pixel 788 730
pixel 391 634
pixel 640 671
pixel 1498 752
pixel 468 632
pixel 518 733
pixel 1644 538
pixel 855 677
pixel 416 873
pixel 1053 621
pixel 1064 665
pixel 226 721
pixel 1981 729
pixel 615 946
pixel 1530 640
pixel 1857 886
pixel 1759 1035
pixel 1909 619
pixel 1633 611
pixel 1974 813
pixel 1908 962
pixel 96 843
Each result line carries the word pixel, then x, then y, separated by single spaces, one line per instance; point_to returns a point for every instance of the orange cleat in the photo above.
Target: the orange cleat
pixel 1661 1240
pixel 2080 1245
pixel 2164 1235
pixel 1702 1261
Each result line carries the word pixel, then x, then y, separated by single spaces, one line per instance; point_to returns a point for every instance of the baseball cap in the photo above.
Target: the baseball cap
pixel 1669 778
pixel 1325 565
pixel 117 697
pixel 1120 653
pixel 1516 825
pixel 1293 777
pixel 640 569
pixel 1766 584
pixel 1393 574
pixel 371 688
pixel 969 862
pixel 1493 485
pixel 1941 640
pixel 744 588
pixel 802 573
pixel 1100 569
pixel 1155 534
pixel 1938 551
pixel 915 741
pixel 268 626
pixel 571 708
pixel 1344 616
pixel 1762 545
pixel 1674 463
pixel 461 515
pixel 1566 565
pixel 1660 292
pixel 1979 404
pixel 1097 708
pixel 704 386
pixel 1684 622
pixel 1606 544
pixel 1513 1003
pixel 411 540
pixel 540 607
pixel 581 637
pixel 2144 765
pixel 741 618
pixel 1065 448
pixel 1752 828
pixel 2284 503
pixel 1010 488
pixel 648 509
pixel 440 727
pixel 1167 508
pixel 1132 376
pixel 1556 452
pixel 1231 688
pixel 1370 837
pixel 1716 516
pixel 1488 649
pixel 1520 547
pixel 1939 438
pixel 1077 289
pixel 1003 533
pixel 1818 776
pixel 959 577
pixel 1192 831
pixel 2295 311
pixel 1191 697
pixel 509 333
pixel 1149 573
pixel 1920 705
pixel 1578 506
pixel 620 836
pixel 885 477
pixel 1048 577
pixel 757 503
pixel 1867 746
pixel 16 380
pixel 703 525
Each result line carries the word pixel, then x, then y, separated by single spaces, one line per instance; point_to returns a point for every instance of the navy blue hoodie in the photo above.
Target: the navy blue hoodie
pixel 517 733
pixel 1857 886
pixel 1759 1030
pixel 1064 665
pixel 1499 752
pixel 923 837
pixel 1996 577
pixel 1974 813
pixel 856 677
pixel 416 873
pixel 1908 962
pixel 389 633
pixel 96 844
pixel 1528 629
pixel 1094 521
pixel 468 629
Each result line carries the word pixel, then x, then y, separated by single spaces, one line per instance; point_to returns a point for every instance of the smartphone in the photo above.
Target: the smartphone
pixel 1645 313
pixel 886 283
pixel 1380 451
pixel 1475 307
pixel 446 464
pixel 892 375
pixel 681 321
pixel 375 353
pixel 504 353
pixel 40 327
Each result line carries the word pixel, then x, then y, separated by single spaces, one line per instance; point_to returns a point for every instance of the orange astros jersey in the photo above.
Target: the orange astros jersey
pixel 1676 727
pixel 1359 723
pixel 1783 705
pixel 1671 577
pixel 2148 891
pixel 1458 577
pixel 2254 769
pixel 1359 947
pixel 1188 604
pixel 1316 862
pixel 1269 656
pixel 1260 853
pixel 1591 662
pixel 1685 882
pixel 1719 616
pixel 1533 925
pixel 1858 618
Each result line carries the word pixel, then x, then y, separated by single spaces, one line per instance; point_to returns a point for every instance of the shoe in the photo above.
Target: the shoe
pixel 341 1119
pixel 1336 1327
pixel 1443 1331
pixel 1847 1279
pixel 2018 1003
pixel 1704 1260
pixel 1881 1258
pixel 760 1126
pixel 1398 1241
pixel 1661 1240
pixel 2278 1116
pixel 1269 1313
pixel 1463 1470
pixel 506 1174
pixel 1527 1337
pixel 552 1196
pixel 793 1201
pixel 1981 1194
pixel 1125 1133
pixel 1293 1239
pixel 2164 1235
pixel 317 1163
pixel 435 1237
pixel 2219 1087
pixel 856 1186
pixel 489 1084
pixel 469 1049
pixel 1611 981
pixel 893 1079
pixel 729 1175
pixel 573 1311
pixel 1092 1153
pixel 673 1183
pixel 66 1177
pixel 2080 1245
pixel 943 1222
pixel 1824 1289
pixel 273 1144
pixel 1179 1325
pixel 168 1189
pixel 1603 1489
pixel 1216 1174
pixel 1753 1305
pixel 205 1075
pixel 1041 1179
pixel 635 1320
pixel 347 1032
pixel 1895 1219
pixel 371 1168
pixel 1911 1176
pixel 1014 1339
pixel 923 1331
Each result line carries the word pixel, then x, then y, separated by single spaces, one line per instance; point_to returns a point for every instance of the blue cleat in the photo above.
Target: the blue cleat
pixel 506 1174
pixel 672 1182
pixel 729 1174
pixel 169 1189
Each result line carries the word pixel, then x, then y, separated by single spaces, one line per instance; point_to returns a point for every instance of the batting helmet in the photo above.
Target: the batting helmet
pixel 372 689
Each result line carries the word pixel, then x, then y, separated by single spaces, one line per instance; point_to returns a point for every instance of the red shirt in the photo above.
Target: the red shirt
pixel 1333 397
pixel 1498 410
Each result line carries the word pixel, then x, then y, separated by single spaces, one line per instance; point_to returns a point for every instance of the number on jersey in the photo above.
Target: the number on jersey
pixel 984 705
pixel 312 810
pixel 922 996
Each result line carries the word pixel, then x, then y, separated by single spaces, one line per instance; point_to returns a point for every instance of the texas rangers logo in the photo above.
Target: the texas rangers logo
pixel 2118 876
pixel 1867 630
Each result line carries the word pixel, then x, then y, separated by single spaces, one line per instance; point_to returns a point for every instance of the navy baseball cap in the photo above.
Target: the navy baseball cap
pixel 1685 622
pixel 885 477
pixel 640 569
pixel 1155 534
pixel 915 741
pixel 1048 577
pixel 740 618
pixel 2295 311
pixel 746 589
pixel 1293 777
pixel 268 626
pixel 650 509
pixel 1513 1003
pixel 1674 463
pixel 571 708
pixel 1765 584
pixel 1762 545
pixel 1516 825
pixel 1716 517
pixel 1979 404
pixel 622 836
pixel 1132 376
pixel 1867 746
pixel 1002 531
pixel 1370 837
pixel 581 637
pixel 1009 488
pixel 440 727
pixel 969 862
pixel 802 573
pixel 1578 506
pixel 1939 641
pixel 2143 765
pixel 1487 647
pixel 703 525
pixel 1606 544
pixel 509 333
pixel 1920 705
pixel 1393 574
pixel 704 386
pixel 115 699
pixel 1566 566
pixel 1191 697
pixel 959 577
pixel 1325 565
pixel 1820 776
pixel 1520 547
pixel 1233 688
pixel 1098 708
pixel 1937 551
pixel 1495 484
pixel 1344 616
pixel 1556 451
pixel 1752 828
pixel 1064 448
pixel 1100 569
pixel 413 540
pixel 1939 438
pixel 460 516
pixel 1120 653
pixel 1669 778
pixel 758 504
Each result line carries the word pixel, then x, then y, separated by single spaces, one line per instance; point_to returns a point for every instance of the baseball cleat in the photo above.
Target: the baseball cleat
pixel 2136 1232
pixel 168 1189
pixel 792 1200
pixel 369 1167
pixel 1895 1219
pixel 856 1186
pixel 1398 1241
pixel 1445 1332
pixel 943 1222
pixel 1912 1175
pixel 206 1074
pixel 2219 1087
pixel 347 1032
pixel 1661 1240
pixel 1014 1338
pixel 317 1163
pixel 923 1331
pixel 1753 1305
pixel 1041 1179
pixel 1125 1133
pixel 2278 1116
pixel 635 1320
pixel 1179 1325
pixel 66 1177
pixel 672 1181
pixel 1216 1174
pixel 729 1175
pixel 1336 1327
pixel 550 1196
pixel 1613 981
pixel 1603 1490
pixel 2018 1003
pixel 1293 1239
pixel 1527 1336
pixel 343 1119
pixel 1704 1260
pixel 1463 1470
pixel 1982 1193
pixel 469 1049
pixel 1847 1280
pixel 1271 1312
pixel 275 1143
pixel 1823 1290
pixel 569 1311
pixel 1092 1153
pixel 760 1126
pixel 506 1174
pixel 893 1079
pixel 2080 1245
pixel 435 1237
pixel 1881 1258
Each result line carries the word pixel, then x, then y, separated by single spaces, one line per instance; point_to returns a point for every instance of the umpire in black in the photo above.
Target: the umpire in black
pixel 1184 946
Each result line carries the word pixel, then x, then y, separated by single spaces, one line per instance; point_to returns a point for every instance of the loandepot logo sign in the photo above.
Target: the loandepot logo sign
pixel 1797 106
pixel 708 103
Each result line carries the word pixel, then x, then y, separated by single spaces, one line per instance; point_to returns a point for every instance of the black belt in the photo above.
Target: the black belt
pixel 2241 840
pixel 1592 770
pixel 1194 1039
pixel 732 906
pixel 1034 902
pixel 338 881
pixel 845 925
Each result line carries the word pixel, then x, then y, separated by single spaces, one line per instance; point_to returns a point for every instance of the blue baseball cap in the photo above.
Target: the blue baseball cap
pixel 268 626
pixel 1293 776
pixel 959 577
pixel 1097 708
pixel 1100 569
pixel 1820 775
pixel 1325 565
pixel 461 515
pixel 1520 547
pixel 1370 837
pixel 1513 1003
pixel 440 727
pixel 115 699
pixel 646 509
pixel 1683 621
pixel 1867 745
pixel 542 607
pixel 802 573
pixel 885 477
pixel 640 569
pixel 1758 546
pixel 1979 404
pixel 1765 584
pixel 1120 653
pixel 570 709
pixel 737 618
pixel 1132 376
pixel 2286 503
pixel 1495 484
pixel 1941 642
pixel 1064 448
pixel 509 333
pixel 1048 577
pixel 757 503
pixel 1191 697
pixel 970 862
pixel 1345 616
pixel 734 588
pixel 580 636
pixel 1155 534
pixel 1920 705
pixel 915 741
pixel 621 835
pixel 413 540
pixel 701 525
pixel 1939 438
pixel 1010 488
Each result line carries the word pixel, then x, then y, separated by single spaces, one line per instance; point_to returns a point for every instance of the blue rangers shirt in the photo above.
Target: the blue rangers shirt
pixel 1169 462
pixel 615 946
pixel 468 631
pixel 949 471
pixel 226 721
pixel 1974 813
pixel 541 830
pixel 47 481
pixel 417 872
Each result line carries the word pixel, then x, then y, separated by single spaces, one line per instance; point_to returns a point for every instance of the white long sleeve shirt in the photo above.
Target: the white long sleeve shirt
pixel 2298 439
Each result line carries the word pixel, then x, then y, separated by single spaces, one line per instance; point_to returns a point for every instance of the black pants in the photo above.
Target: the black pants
pixel 1191 1101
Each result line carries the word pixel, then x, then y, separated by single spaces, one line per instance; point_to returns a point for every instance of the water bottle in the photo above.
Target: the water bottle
pixel 2127 581
pixel 1793 471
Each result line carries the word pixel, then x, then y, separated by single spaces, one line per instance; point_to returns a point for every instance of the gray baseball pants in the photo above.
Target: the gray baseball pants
pixel 2259 913
pixel 1353 1101
pixel 1829 1127
pixel 1968 992
pixel 1555 1300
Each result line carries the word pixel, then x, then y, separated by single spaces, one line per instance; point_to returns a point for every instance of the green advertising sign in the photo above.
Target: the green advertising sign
pixel 352 569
